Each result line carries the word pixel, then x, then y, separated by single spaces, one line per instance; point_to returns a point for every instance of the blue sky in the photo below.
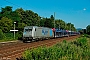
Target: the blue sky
pixel 74 11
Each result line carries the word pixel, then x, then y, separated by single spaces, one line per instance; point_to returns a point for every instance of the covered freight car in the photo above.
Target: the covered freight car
pixel 36 33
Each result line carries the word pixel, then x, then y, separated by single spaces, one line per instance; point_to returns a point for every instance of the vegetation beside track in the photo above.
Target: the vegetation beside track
pixel 78 49
pixel 4 37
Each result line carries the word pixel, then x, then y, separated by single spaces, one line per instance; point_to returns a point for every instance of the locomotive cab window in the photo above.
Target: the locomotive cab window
pixel 28 30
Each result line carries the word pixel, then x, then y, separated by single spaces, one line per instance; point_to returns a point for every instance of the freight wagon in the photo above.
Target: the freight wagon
pixel 36 33
pixel 61 33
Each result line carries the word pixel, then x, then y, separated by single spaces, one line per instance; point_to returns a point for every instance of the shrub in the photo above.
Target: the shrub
pixel 2 36
pixel 82 41
pixel 19 35
pixel 9 35
pixel 61 51
pixel 85 35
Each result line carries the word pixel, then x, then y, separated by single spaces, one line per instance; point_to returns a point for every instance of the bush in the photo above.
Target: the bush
pixel 19 35
pixel 9 36
pixel 85 35
pixel 81 41
pixel 2 36
pixel 61 51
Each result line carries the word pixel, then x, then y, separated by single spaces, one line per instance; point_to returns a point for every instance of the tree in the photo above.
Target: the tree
pixel 28 17
pixel 21 14
pixel 42 21
pixel 15 16
pixel 60 24
pixel 71 27
pixel 52 21
pixel 20 28
pixel 6 12
pixel 5 24
pixel 49 22
pixel 88 29
pixel 36 20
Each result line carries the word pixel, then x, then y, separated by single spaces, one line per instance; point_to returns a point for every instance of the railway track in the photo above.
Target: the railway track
pixel 14 50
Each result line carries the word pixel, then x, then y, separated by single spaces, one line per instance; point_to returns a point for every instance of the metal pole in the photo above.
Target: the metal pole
pixel 54 19
pixel 86 30
pixel 54 24
pixel 70 29
pixel 14 31
pixel 65 29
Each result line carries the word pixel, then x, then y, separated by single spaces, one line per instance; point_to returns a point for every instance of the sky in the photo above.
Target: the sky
pixel 76 12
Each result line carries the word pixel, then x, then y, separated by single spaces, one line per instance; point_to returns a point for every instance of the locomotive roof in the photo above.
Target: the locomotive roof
pixel 29 27
pixel 35 27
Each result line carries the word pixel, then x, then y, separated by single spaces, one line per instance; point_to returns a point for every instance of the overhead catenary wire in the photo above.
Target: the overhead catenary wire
pixel 13 3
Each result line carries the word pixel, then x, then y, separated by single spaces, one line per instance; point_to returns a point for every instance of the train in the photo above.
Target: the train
pixel 40 33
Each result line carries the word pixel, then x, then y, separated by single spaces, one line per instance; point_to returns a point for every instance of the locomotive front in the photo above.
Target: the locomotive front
pixel 27 34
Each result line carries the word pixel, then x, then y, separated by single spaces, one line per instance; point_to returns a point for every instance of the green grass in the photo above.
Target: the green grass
pixel 75 50
pixel 8 37
pixel 7 40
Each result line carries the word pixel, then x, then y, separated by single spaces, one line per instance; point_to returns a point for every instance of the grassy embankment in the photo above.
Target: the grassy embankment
pixel 78 49
pixel 8 37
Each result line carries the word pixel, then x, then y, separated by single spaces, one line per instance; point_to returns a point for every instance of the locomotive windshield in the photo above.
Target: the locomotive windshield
pixel 28 30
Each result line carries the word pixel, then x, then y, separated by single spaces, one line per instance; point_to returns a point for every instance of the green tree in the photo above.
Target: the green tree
pixel 15 16
pixel 42 21
pixel 7 12
pixel 60 24
pixel 71 27
pixel 21 14
pixel 88 29
pixel 20 28
pixel 52 21
pixel 36 20
pixel 5 24
pixel 28 17
pixel 49 22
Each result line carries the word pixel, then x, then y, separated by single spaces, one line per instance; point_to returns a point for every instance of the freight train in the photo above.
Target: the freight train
pixel 40 33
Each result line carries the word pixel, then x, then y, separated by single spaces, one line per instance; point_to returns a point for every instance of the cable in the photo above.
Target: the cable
pixel 11 3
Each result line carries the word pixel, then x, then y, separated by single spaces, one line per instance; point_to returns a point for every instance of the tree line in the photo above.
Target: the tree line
pixel 88 29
